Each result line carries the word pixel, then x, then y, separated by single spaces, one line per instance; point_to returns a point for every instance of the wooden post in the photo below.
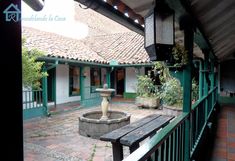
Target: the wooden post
pixel 82 85
pixel 187 26
pixel 212 79
pixel 201 78
pixel 206 55
pixel 44 93
pixel 117 151
pixel 108 72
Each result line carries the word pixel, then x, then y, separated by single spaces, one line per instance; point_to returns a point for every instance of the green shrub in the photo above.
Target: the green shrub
pixel 172 93
pixel 145 87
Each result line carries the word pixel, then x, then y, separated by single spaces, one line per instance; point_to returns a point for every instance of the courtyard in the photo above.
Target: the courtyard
pixel 56 137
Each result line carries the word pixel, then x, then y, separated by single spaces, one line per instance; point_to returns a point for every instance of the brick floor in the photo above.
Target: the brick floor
pixel 224 147
pixel 56 138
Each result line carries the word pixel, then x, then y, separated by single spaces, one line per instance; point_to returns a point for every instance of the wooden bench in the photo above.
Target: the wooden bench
pixel 131 135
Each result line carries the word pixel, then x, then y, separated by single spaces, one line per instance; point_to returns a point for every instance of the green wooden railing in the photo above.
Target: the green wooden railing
pixel 33 104
pixel 169 143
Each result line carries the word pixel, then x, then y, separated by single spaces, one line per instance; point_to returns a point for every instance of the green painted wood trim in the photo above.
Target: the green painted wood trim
pixel 206 65
pixel 69 61
pixel 44 92
pixel 179 75
pixel 73 62
pixel 33 112
pixel 82 83
pixel 133 65
pixel 201 79
pixel 226 100
pixel 151 145
pixel 218 81
pixel 212 78
pixel 187 85
pixel 194 106
pixel 53 66
pixel 129 95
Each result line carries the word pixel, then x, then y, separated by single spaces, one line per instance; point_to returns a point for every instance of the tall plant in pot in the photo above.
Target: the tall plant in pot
pixel 172 96
pixel 147 92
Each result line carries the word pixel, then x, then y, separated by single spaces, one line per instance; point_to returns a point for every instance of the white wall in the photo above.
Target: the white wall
pixel 131 79
pixel 62 85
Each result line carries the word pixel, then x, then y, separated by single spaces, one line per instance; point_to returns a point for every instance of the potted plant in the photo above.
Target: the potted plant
pixel 172 96
pixel 147 93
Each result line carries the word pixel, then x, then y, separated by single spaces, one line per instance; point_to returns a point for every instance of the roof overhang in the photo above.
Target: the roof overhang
pixel 214 20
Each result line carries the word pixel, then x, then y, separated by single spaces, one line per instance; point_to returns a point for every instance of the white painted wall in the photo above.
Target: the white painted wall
pixel 131 79
pixel 62 85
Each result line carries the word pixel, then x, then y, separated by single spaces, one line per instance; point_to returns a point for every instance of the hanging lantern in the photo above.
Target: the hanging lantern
pixel 159 32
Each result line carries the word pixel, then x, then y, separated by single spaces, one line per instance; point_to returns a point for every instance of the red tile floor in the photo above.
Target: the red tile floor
pixel 224 143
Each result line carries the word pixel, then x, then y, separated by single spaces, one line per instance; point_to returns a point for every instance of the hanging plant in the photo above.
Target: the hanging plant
pixel 162 71
pixel 180 55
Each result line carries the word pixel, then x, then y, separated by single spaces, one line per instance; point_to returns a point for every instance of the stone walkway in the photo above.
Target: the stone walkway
pixel 56 138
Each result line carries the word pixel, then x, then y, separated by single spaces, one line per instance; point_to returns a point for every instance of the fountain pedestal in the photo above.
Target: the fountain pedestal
pixel 105 93
pixel 104 107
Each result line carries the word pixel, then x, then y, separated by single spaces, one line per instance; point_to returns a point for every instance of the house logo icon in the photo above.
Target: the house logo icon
pixel 12 13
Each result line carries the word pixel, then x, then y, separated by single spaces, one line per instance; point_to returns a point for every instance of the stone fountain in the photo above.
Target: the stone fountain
pixel 97 123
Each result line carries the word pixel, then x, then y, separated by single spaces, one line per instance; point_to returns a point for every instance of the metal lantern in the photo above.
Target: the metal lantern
pixel 159 32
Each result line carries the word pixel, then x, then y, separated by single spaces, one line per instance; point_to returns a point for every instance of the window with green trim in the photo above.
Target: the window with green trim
pixel 95 75
pixel 74 81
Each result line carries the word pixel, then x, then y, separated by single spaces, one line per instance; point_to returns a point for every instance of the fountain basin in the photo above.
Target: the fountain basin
pixel 91 125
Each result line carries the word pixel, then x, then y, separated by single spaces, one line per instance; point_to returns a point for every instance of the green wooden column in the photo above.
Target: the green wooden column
pixel 108 77
pixel 212 79
pixel 201 79
pixel 205 91
pixel 187 81
pixel 82 84
pixel 44 92
pixel 218 82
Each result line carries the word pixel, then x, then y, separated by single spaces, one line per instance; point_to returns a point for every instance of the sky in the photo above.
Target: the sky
pixel 57 16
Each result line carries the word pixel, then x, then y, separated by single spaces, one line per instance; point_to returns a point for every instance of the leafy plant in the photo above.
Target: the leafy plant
pixel 160 69
pixel 180 55
pixel 172 93
pixel 195 90
pixel 31 69
pixel 146 87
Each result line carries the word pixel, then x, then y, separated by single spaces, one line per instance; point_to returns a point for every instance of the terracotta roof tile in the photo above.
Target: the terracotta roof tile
pixel 59 46
pixel 125 48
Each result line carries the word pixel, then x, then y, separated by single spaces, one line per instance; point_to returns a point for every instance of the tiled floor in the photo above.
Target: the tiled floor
pixel 224 144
